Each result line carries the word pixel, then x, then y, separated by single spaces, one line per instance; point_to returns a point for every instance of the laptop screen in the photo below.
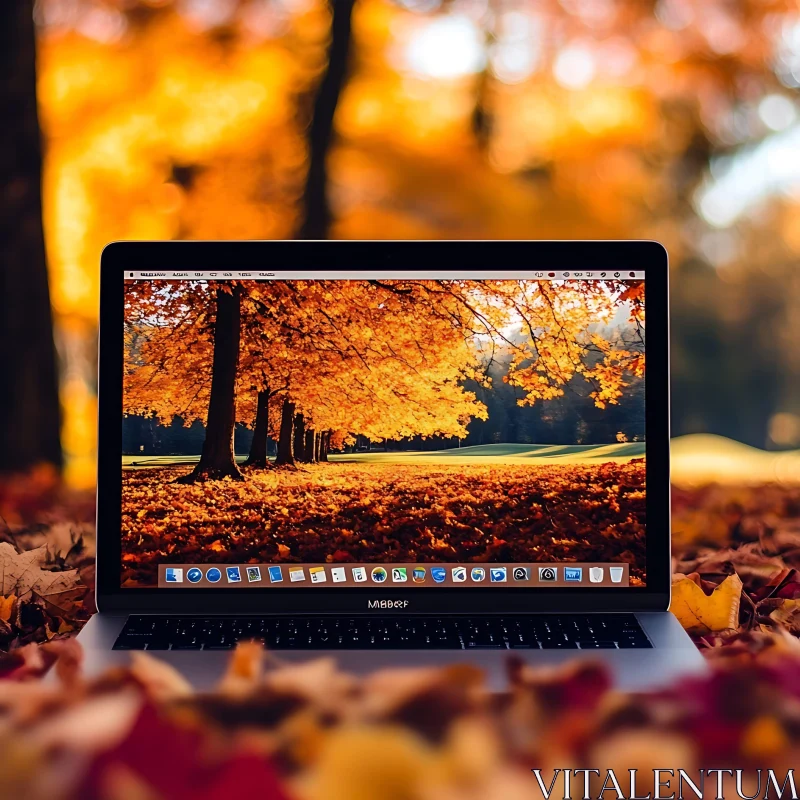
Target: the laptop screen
pixel 307 429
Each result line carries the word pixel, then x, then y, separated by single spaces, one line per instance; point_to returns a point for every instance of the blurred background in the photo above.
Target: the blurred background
pixel 676 120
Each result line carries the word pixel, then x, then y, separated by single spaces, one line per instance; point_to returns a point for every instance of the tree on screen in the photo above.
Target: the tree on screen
pixel 316 364
pixel 217 458
pixel 182 355
pixel 352 358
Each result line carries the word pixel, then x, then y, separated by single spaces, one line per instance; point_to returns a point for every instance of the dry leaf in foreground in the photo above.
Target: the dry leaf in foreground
pixel 314 733
pixel 702 613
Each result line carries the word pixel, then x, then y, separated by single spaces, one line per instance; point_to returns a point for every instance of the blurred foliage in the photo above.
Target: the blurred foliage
pixel 311 731
pixel 674 120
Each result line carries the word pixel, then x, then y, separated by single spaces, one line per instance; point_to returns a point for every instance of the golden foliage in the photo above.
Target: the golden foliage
pixel 386 359
pixel 700 613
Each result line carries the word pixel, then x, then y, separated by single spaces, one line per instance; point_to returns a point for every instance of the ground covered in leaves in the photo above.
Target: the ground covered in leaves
pixel 364 513
pixel 47 548
pixel 314 733
pixel 736 556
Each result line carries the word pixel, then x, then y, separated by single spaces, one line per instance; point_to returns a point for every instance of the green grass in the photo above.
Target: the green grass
pixel 478 454
pixel 506 454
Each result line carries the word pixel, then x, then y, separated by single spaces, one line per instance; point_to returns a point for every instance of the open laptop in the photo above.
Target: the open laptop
pixel 398 453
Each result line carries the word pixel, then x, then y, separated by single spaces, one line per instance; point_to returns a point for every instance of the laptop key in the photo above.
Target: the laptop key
pixel 127 644
pixel 534 631
pixel 190 644
pixel 594 644
pixel 158 644
pixel 560 644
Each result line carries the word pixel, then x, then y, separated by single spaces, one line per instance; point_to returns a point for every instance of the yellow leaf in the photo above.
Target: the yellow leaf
pixel 786 614
pixel 6 604
pixel 161 681
pixel 700 613
pixel 763 738
pixel 365 763
pixel 65 627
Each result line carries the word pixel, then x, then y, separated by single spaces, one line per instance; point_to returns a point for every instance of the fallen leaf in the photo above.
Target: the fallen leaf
pixel 764 739
pixel 160 680
pixel 169 760
pixel 64 604
pixel 22 573
pixel 23 663
pixel 245 669
pixel 376 762
pixel 787 615
pixel 6 605
pixel 700 613
pixel 94 725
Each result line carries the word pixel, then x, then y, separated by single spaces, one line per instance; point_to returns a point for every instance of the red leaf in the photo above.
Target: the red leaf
pixel 173 762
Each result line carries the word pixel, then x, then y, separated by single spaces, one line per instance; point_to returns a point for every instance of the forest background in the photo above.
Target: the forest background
pixel 675 120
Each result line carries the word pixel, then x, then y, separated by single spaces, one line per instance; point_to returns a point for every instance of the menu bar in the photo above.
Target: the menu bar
pixel 299 576
pixel 293 275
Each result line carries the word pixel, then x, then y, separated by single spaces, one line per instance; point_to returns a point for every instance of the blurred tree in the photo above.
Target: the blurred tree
pixel 29 404
pixel 316 207
pixel 443 119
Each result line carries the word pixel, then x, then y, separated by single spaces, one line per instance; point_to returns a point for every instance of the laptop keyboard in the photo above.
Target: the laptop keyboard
pixel 536 631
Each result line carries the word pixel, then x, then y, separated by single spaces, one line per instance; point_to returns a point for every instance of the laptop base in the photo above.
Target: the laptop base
pixel 671 656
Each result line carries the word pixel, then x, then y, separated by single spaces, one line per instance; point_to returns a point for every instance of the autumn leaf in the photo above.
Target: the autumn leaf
pixel 168 760
pixel 160 680
pixel 362 764
pixel 6 605
pixel 22 573
pixel 787 615
pixel 700 613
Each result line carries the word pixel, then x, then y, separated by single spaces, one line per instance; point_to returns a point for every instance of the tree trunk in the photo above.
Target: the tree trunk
pixel 285 457
pixel 311 446
pixel 217 459
pixel 324 445
pixel 482 118
pixel 29 404
pixel 258 447
pixel 316 208
pixel 299 438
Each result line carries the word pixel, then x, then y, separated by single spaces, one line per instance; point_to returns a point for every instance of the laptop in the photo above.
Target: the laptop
pixel 390 453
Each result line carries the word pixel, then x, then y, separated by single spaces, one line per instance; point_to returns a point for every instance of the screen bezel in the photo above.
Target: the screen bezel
pixel 350 256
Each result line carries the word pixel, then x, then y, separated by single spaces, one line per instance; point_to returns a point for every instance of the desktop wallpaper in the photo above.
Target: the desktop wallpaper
pixel 294 421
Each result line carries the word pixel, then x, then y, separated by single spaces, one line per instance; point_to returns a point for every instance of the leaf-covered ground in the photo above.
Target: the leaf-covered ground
pixel 736 556
pixel 354 512
pixel 47 547
pixel 313 733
